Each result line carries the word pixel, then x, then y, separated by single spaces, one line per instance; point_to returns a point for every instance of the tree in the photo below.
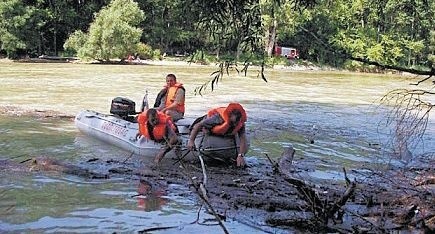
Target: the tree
pixel 431 56
pixel 230 26
pixel 114 33
pixel 364 32
pixel 20 26
pixel 169 26
pixel 75 42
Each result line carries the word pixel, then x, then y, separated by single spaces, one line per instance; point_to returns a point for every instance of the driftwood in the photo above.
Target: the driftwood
pixel 50 164
pixel 201 192
pixel 323 210
pixel 258 196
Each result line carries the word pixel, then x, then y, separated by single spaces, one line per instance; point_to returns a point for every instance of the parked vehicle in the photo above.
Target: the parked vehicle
pixel 288 52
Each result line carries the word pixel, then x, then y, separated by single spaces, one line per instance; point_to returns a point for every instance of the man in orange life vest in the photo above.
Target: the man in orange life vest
pixel 224 121
pixel 170 99
pixel 157 126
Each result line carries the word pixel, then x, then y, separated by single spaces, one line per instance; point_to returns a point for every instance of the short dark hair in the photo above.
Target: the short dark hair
pixel 238 114
pixel 151 112
pixel 172 76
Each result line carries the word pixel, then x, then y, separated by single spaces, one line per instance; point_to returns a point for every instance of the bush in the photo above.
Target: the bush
pixel 75 41
pixel 145 51
pixel 157 54
pixel 202 57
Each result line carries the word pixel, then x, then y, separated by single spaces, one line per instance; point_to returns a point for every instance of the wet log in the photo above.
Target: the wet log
pixel 49 164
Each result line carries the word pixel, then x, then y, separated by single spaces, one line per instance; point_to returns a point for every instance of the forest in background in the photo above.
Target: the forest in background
pixel 394 33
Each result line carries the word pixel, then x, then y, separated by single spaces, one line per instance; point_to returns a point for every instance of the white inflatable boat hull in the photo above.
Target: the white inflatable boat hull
pixel 122 133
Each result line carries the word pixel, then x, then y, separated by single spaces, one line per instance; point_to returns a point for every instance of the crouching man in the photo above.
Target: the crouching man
pixel 157 126
pixel 224 121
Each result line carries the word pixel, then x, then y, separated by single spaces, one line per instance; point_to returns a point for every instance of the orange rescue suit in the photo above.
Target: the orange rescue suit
pixel 159 131
pixel 225 112
pixel 170 97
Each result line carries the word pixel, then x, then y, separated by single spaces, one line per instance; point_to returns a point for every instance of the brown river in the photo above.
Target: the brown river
pixel 339 111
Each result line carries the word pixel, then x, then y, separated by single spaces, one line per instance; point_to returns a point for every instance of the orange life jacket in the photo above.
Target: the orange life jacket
pixel 170 97
pixel 225 112
pixel 158 132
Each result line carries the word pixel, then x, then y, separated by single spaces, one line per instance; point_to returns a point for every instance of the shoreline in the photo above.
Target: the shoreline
pixel 298 66
pixel 295 66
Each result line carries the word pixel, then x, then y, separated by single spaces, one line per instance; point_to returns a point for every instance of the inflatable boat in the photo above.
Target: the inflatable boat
pixel 121 131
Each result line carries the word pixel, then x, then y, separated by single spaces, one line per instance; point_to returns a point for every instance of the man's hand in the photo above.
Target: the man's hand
pixel 240 160
pixel 159 157
pixel 191 145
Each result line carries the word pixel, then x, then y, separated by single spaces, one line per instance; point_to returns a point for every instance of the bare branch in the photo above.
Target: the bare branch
pixel 409 117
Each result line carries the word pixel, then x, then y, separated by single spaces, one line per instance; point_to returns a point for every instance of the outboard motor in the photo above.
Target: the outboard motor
pixel 123 107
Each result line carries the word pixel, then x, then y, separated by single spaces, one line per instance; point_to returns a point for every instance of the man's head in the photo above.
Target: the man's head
pixel 171 80
pixel 235 113
pixel 152 117
pixel 235 116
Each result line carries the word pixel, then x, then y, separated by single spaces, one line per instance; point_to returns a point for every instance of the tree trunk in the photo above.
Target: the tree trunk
pixel 238 52
pixel 55 40
pixel 271 38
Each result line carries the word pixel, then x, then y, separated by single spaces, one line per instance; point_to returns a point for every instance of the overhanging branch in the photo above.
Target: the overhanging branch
pixel 346 55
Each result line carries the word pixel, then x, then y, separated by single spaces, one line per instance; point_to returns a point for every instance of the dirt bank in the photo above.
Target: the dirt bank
pixel 17 111
pixel 267 196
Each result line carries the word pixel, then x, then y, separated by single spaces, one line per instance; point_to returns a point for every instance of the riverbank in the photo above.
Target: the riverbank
pixel 290 65
pixel 299 65
pixel 265 198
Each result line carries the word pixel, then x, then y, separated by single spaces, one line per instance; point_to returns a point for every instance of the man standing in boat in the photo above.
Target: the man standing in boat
pixel 157 126
pixel 224 121
pixel 170 99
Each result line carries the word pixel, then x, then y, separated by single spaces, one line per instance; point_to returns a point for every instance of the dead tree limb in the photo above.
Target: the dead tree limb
pixel 321 208
pixel 408 117
pixel 343 199
pixel 200 193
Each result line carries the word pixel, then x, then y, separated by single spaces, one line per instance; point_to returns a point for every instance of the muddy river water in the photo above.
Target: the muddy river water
pixel 332 117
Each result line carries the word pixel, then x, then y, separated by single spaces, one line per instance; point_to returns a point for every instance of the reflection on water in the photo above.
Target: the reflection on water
pixel 329 117
pixel 56 205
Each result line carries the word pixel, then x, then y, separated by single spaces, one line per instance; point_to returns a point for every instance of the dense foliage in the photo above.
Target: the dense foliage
pixel 328 32
pixel 113 34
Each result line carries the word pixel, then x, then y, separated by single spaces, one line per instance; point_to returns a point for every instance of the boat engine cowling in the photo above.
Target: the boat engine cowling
pixel 123 107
